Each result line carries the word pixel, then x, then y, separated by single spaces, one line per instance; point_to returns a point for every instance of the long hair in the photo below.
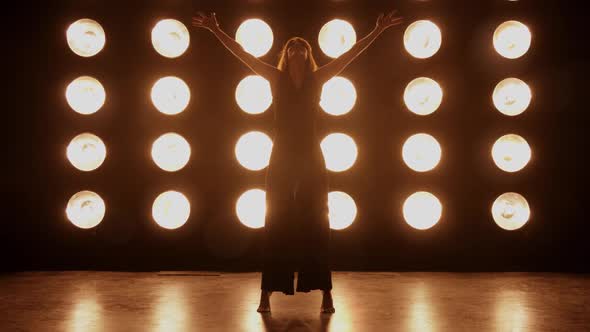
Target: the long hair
pixel 284 59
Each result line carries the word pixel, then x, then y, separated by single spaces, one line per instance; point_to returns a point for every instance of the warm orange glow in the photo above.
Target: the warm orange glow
pixel 422 39
pixel 85 37
pixel 253 94
pixel 422 210
pixel 251 208
pixel 340 152
pixel 338 96
pixel 255 36
pixel 253 150
pixel 511 153
pixel 423 96
pixel 512 39
pixel 86 152
pixel 421 152
pixel 511 211
pixel 170 38
pixel 170 95
pixel 336 37
pixel 171 209
pixel 171 152
pixel 342 210
pixel 85 95
pixel 85 209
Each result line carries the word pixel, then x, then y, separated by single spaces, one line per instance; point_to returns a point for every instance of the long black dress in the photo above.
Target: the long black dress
pixel 297 229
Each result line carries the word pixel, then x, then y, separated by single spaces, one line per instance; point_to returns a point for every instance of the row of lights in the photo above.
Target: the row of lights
pixel 422 38
pixel 170 95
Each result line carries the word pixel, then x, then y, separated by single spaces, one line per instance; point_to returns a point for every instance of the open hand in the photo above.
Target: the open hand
pixel 207 21
pixel 386 21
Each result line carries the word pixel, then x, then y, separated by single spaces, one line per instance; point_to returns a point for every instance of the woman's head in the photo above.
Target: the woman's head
pixel 297 49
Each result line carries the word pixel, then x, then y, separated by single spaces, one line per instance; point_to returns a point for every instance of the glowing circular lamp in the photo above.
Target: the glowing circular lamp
pixel 171 152
pixel 85 37
pixel 170 38
pixel 336 37
pixel 511 211
pixel 422 39
pixel 253 150
pixel 338 96
pixel 85 95
pixel 342 210
pixel 251 208
pixel 512 39
pixel 255 36
pixel 85 209
pixel 421 152
pixel 171 209
pixel 170 95
pixel 86 152
pixel 423 96
pixel 253 94
pixel 340 152
pixel 511 96
pixel 511 153
pixel 422 210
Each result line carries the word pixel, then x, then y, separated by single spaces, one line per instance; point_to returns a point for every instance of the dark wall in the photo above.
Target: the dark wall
pixel 38 125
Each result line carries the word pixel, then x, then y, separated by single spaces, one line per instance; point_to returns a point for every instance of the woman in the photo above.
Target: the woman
pixel 297 230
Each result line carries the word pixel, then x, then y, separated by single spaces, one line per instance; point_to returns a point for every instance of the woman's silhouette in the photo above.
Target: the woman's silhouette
pixel 297 230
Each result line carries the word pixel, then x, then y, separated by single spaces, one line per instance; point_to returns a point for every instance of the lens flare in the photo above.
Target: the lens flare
pixel 171 209
pixel 338 96
pixel 423 96
pixel 511 211
pixel 255 36
pixel 253 150
pixel 422 210
pixel 512 39
pixel 336 37
pixel 511 153
pixel 422 39
pixel 85 209
pixel 512 96
pixel 85 95
pixel 170 38
pixel 253 94
pixel 86 152
pixel 85 37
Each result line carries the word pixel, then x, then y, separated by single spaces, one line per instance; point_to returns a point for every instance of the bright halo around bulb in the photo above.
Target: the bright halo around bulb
pixel 85 37
pixel 512 96
pixel 422 39
pixel 253 150
pixel 86 152
pixel 255 36
pixel 336 37
pixel 171 152
pixel 342 210
pixel 421 152
pixel 170 38
pixel 338 96
pixel 170 95
pixel 253 94
pixel 85 209
pixel 511 211
pixel 511 153
pixel 512 39
pixel 422 210
pixel 340 152
pixel 85 95
pixel 171 209
pixel 423 96
pixel 251 208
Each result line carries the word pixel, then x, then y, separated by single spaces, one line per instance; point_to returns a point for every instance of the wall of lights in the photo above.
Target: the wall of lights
pixel 421 152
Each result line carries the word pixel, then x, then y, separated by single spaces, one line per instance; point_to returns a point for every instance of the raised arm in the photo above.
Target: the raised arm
pixel 269 72
pixel 335 66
